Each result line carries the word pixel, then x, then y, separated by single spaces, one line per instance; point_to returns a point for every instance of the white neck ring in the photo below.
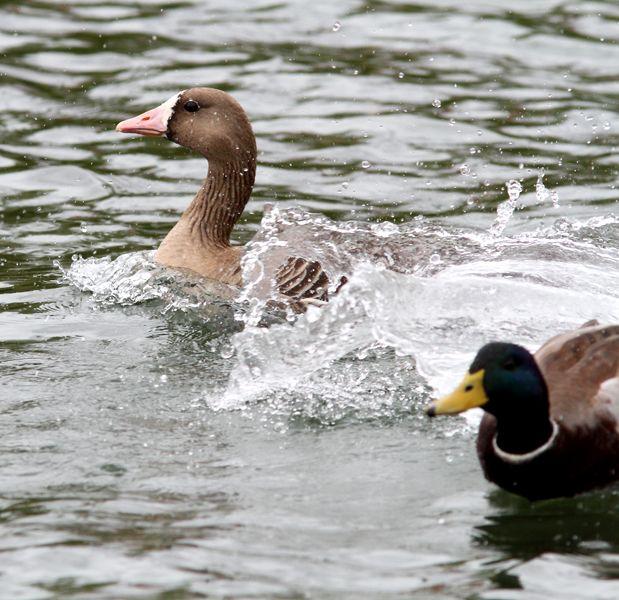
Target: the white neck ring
pixel 517 459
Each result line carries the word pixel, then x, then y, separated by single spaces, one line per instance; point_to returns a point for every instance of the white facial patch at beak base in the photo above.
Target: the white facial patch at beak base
pixel 167 108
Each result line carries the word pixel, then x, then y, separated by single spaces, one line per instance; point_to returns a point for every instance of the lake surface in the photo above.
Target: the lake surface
pixel 154 441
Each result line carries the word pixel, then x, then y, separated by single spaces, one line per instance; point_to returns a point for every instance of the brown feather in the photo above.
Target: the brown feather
pixel 302 279
pixel 575 365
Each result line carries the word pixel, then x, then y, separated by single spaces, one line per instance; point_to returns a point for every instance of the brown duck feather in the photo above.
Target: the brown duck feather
pixel 575 365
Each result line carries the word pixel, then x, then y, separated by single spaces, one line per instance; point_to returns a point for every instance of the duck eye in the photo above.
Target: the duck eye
pixel 191 106
pixel 510 364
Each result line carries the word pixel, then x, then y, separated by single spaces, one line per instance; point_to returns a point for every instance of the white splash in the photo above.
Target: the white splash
pixel 528 288
pixel 505 210
pixel 542 193
pixel 129 279
pixel 135 278
pixel 387 338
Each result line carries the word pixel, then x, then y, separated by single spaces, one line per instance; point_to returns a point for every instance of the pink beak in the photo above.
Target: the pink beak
pixel 152 122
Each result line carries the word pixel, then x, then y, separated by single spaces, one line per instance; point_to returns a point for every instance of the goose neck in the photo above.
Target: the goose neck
pixel 220 201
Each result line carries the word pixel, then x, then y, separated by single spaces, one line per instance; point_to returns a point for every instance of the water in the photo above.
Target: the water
pixel 157 441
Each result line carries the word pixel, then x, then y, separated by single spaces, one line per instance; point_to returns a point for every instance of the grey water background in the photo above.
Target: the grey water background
pixel 128 465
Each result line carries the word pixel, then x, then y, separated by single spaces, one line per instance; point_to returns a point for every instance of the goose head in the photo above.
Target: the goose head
pixel 205 120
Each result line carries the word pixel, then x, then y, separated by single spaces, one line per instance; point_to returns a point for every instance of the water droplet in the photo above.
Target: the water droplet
pixel 435 259
pixel 465 169
pixel 505 210
pixel 400 75
pixel 436 103
pixel 83 228
pixel 514 189
pixel 227 351
pixel 554 198
pixel 541 191
pixel 345 184
pixel 606 125
pixel 365 164
pixel 385 229
pixel 337 26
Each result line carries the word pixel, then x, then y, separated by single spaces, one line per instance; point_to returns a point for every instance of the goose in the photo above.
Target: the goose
pixel 212 123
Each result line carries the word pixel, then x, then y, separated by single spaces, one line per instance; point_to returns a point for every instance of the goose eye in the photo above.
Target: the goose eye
pixel 191 106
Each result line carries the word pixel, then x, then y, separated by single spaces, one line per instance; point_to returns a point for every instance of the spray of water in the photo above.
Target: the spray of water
pixel 405 322
pixel 506 209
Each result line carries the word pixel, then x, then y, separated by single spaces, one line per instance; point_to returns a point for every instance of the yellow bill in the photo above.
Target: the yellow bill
pixel 469 394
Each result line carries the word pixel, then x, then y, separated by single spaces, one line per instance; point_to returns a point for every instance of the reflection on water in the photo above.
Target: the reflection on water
pixel 525 531
pixel 554 547
pixel 154 441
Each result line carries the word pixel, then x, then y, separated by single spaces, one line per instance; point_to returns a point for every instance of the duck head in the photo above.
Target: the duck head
pixel 504 380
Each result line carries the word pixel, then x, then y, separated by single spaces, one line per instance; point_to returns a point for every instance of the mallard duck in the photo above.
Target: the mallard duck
pixel 550 426
pixel 212 123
